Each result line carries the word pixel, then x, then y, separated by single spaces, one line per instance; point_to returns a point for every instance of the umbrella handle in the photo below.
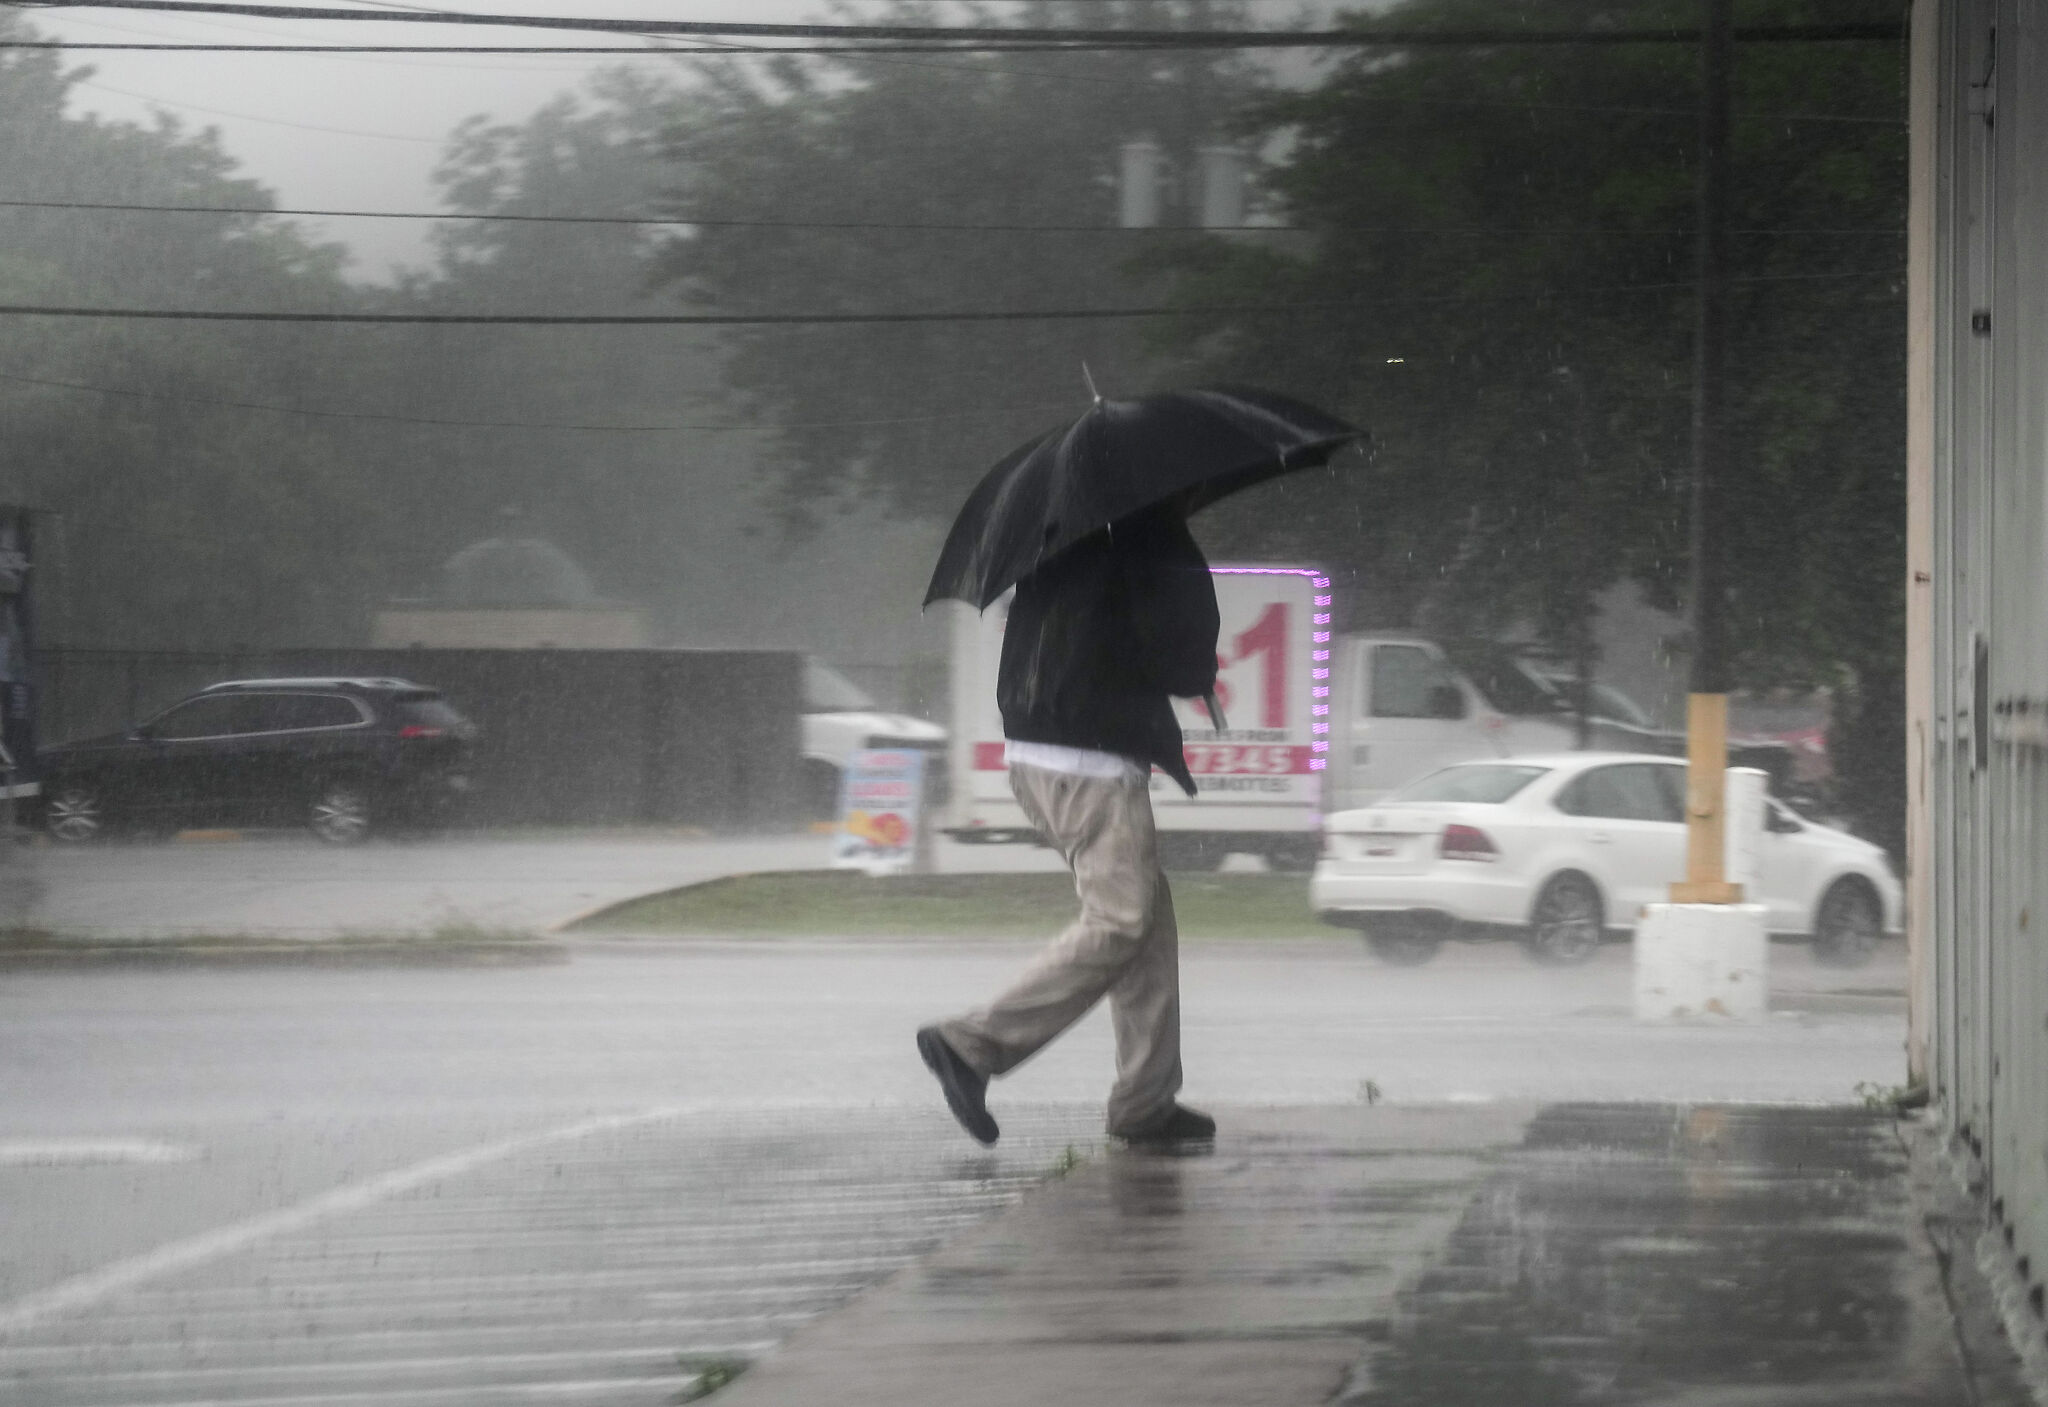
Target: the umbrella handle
pixel 1215 711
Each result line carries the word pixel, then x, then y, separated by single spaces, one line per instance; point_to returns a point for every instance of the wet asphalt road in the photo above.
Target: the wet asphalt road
pixel 204 1155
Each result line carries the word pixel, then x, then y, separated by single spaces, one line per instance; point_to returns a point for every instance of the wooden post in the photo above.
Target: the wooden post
pixel 1706 814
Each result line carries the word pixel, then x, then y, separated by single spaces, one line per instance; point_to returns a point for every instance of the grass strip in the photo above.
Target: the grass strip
pixel 449 945
pixel 848 903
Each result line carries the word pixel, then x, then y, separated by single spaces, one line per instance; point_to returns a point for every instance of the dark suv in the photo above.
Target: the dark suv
pixel 338 756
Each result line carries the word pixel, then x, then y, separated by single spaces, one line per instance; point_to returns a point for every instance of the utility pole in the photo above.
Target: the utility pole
pixel 1706 880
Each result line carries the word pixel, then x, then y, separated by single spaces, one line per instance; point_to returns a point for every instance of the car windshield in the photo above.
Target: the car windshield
pixel 1608 701
pixel 1485 783
pixel 826 690
pixel 1507 681
pixel 1613 703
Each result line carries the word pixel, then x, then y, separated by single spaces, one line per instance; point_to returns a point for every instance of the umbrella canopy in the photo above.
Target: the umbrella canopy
pixel 1118 458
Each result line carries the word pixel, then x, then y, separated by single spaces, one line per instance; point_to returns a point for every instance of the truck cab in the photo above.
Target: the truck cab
pixel 1402 708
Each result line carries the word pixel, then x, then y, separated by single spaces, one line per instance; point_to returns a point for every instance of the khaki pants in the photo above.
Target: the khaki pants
pixel 1124 945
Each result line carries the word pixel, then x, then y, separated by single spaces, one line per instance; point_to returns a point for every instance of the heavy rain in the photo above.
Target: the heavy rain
pixel 1003 701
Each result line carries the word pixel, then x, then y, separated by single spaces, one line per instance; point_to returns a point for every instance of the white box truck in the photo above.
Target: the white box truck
pixel 1259 777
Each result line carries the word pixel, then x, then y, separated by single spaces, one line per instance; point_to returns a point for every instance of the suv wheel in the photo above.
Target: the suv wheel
pixel 75 813
pixel 1846 928
pixel 340 813
pixel 1565 928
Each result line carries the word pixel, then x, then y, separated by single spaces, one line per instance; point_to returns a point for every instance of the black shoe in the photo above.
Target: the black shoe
pixel 1179 1124
pixel 963 1084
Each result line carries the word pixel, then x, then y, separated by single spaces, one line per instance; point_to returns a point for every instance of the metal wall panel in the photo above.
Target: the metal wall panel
pixel 1988 520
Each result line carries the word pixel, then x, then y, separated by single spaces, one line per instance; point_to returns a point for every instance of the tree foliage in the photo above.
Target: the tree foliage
pixel 887 158
pixel 1496 275
pixel 124 434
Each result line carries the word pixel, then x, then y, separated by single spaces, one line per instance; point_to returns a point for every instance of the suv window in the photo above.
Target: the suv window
pixel 1410 682
pixel 216 716
pixel 291 713
pixel 1629 791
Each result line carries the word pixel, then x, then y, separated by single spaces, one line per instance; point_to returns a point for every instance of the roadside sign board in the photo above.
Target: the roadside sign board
pixel 880 810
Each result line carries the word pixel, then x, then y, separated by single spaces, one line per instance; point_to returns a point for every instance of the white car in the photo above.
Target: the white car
pixel 1563 850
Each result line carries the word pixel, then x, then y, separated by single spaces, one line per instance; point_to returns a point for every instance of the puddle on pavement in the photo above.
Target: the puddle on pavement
pixel 1636 1254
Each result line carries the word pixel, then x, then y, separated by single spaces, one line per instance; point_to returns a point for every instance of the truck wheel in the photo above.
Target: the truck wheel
pixel 1401 944
pixel 1190 850
pixel 1295 855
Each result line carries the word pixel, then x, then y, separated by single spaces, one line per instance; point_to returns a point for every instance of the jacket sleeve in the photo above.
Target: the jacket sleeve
pixel 1172 603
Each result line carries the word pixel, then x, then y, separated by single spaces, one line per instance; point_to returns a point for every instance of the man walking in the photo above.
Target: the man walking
pixel 1098 640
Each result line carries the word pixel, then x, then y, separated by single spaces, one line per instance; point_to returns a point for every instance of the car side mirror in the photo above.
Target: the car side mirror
pixel 1446 701
pixel 1778 823
pixel 140 734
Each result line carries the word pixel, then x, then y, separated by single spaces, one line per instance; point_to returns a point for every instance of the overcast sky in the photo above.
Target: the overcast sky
pixel 364 131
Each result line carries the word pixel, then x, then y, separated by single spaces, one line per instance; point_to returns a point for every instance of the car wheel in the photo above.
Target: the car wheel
pixel 75 813
pixel 1566 924
pixel 340 813
pixel 1402 944
pixel 1848 926
pixel 1190 850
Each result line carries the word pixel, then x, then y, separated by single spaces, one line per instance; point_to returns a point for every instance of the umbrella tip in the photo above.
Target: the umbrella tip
pixel 1089 377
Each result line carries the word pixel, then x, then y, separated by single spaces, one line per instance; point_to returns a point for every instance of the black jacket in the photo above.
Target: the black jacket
pixel 1103 634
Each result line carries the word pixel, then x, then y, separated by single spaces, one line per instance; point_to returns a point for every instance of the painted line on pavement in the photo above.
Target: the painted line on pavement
pixel 95 1285
pixel 76 1152
pixel 614 1333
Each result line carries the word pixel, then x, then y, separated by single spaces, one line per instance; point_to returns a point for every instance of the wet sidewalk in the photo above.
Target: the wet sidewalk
pixel 1486 1255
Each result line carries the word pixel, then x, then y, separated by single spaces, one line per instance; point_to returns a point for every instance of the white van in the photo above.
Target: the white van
pixel 840 719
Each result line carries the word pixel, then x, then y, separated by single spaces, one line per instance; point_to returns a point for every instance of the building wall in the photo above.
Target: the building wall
pixel 1979 731
pixel 454 628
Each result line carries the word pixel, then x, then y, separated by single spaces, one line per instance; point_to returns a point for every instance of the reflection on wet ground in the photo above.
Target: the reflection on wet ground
pixel 1658 1254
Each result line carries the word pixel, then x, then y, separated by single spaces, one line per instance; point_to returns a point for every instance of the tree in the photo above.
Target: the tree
pixel 1495 276
pixel 887 158
pixel 177 517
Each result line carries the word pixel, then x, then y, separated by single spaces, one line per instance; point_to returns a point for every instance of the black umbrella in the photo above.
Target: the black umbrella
pixel 1118 458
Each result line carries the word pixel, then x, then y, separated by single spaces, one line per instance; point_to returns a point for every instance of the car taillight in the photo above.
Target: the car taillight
pixel 420 730
pixel 1467 843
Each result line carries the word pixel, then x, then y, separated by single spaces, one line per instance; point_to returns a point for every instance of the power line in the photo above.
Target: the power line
pixel 1362 37
pixel 634 50
pixel 869 318
pixel 940 226
pixel 268 121
pixel 444 421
